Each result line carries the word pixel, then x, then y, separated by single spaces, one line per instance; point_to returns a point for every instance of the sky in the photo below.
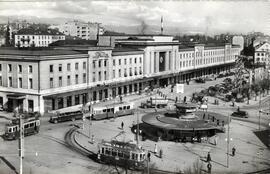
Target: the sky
pixel 204 17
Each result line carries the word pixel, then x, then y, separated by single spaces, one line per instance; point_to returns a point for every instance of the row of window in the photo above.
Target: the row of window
pixel 125 61
pixel 19 68
pixel 99 63
pixel 20 82
pixel 202 61
pixel 39 37
pixel 210 53
pixel 60 67
pixel 261 54
pixel 60 80
pixel 131 73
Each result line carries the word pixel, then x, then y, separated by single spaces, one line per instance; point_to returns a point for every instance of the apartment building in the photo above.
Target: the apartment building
pixel 262 53
pixel 37 38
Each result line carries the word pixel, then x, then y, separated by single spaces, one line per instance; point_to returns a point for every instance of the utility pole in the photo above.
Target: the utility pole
pixel 228 141
pixel 260 112
pixel 137 128
pixel 21 143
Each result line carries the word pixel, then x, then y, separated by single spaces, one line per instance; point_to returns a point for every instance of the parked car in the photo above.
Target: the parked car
pixel 200 80
pixel 241 114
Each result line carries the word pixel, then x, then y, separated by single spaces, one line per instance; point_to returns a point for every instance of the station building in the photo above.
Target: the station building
pixel 61 77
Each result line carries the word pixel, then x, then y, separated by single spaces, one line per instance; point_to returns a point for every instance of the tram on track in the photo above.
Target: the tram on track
pixel 30 127
pixel 112 110
pixel 122 154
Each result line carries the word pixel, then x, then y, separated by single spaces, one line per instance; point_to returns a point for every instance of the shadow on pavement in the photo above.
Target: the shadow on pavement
pixel 263 136
pixel 8 164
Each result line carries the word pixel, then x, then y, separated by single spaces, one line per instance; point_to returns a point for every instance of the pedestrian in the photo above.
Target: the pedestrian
pixel 176 99
pixel 185 99
pixel 122 125
pixel 233 151
pixel 238 109
pixel 203 115
pixel 160 153
pixel 155 150
pixel 149 156
pixel 209 167
pixel 208 159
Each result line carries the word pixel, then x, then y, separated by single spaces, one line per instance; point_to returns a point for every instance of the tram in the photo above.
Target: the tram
pixel 112 110
pixel 66 116
pixel 122 154
pixel 30 127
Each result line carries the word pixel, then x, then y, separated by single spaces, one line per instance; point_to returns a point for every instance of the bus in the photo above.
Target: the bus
pixel 30 127
pixel 112 110
pixel 66 116
pixel 122 154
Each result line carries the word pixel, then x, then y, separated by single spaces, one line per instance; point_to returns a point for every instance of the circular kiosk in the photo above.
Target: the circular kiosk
pixel 183 124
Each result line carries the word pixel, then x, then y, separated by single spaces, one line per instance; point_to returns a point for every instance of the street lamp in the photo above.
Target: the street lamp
pixel 228 139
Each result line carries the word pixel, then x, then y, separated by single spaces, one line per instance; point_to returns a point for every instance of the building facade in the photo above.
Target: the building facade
pixel 37 40
pixel 88 31
pixel 48 80
pixel 262 53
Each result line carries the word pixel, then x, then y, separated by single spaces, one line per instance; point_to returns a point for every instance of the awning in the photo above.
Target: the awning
pixel 16 96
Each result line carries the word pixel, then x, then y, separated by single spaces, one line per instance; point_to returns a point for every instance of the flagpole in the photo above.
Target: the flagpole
pixel 161 25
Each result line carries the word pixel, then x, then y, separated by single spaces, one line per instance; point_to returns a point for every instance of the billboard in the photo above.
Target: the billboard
pixel 179 88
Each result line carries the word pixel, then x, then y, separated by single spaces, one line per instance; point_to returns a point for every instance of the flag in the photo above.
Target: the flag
pixel 161 25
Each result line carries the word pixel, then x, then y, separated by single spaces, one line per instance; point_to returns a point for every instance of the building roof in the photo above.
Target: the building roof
pixel 118 51
pixel 34 31
pixel 74 42
pixel 123 34
pixel 39 52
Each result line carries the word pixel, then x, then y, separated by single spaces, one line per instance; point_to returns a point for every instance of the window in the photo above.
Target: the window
pixel 20 83
pixel 140 70
pixel 135 60
pixel 99 63
pixel 140 59
pixel 113 62
pixel 136 71
pixel 99 76
pixel 9 81
pixel 69 101
pixel 76 66
pixel 94 76
pixel 119 73
pixel 30 69
pixel 60 67
pixel 84 77
pixel 68 80
pixel 68 67
pixel 0 67
pixel 1 81
pixel 125 61
pixel 130 60
pixel 105 63
pixel 60 81
pixel 77 99
pixel 30 83
pixel 130 71
pixel 31 109
pixel 9 67
pixel 51 68
pixel 20 68
pixel 51 82
pixel 84 65
pixel 119 61
pixel 125 72
pixel 76 78
pixel 94 64
pixel 113 73
pixel 105 75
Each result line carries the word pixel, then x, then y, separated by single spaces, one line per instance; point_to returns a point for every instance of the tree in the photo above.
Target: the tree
pixel 256 88
pixel 7 36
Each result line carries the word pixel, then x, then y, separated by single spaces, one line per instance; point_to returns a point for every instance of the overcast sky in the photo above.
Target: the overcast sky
pixel 202 17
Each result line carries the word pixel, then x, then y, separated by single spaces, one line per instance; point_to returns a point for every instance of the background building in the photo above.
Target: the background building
pixel 37 38
pixel 262 53
pixel 88 31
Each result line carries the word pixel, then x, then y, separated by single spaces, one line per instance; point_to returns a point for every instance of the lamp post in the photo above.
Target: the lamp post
pixel 228 139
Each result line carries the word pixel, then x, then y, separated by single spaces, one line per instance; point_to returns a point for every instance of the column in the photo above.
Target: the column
pixel 167 61
pixel 152 62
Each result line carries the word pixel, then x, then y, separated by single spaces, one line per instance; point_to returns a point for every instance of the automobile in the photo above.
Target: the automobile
pixel 200 80
pixel 241 114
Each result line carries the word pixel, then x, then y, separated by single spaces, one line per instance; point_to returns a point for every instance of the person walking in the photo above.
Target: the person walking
pixel 209 167
pixel 122 125
pixel 149 156
pixel 155 150
pixel 233 151
pixel 208 159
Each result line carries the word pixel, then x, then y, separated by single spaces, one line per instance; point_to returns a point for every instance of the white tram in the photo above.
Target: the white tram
pixel 112 110
pixel 122 154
